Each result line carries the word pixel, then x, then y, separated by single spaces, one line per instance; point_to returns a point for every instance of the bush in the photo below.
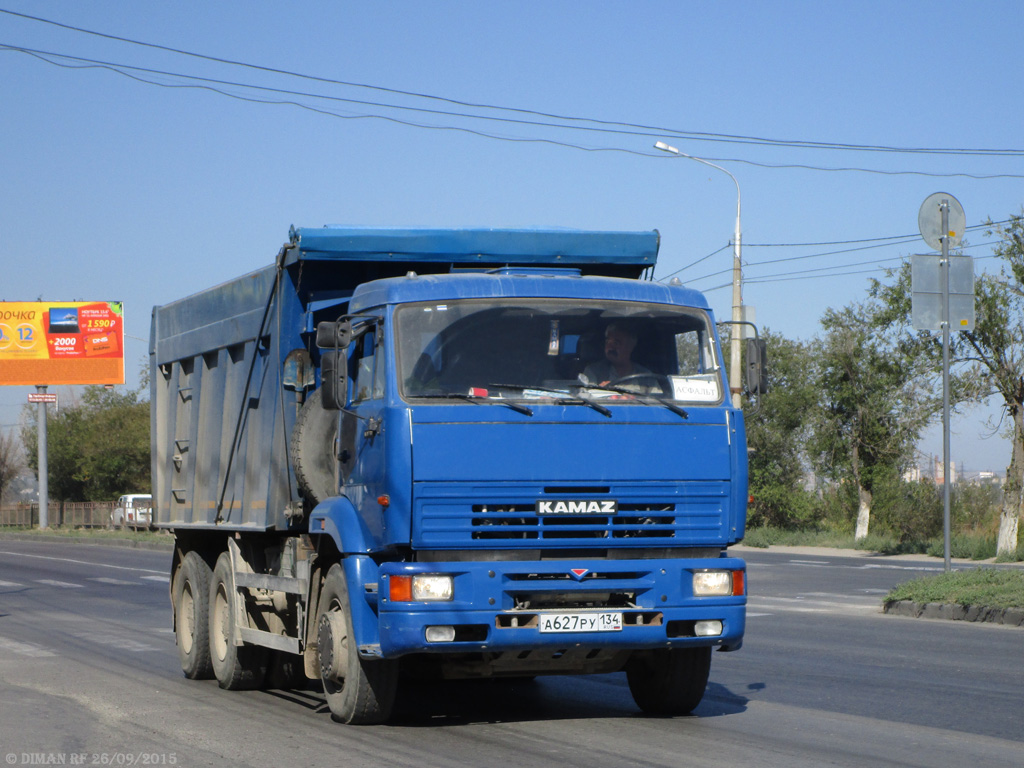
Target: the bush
pixel 838 505
pixel 884 544
pixel 1016 557
pixel 975 507
pixel 781 507
pixel 910 511
pixel 762 536
pixel 970 546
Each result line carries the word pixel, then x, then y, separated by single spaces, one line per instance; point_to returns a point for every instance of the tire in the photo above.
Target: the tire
pixel 669 682
pixel 236 667
pixel 312 450
pixel 191 609
pixel 358 691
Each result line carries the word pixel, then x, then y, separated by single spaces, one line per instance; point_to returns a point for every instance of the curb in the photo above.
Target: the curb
pixel 112 542
pixel 1011 617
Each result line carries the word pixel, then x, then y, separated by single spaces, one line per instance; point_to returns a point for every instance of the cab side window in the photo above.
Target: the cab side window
pixel 367 368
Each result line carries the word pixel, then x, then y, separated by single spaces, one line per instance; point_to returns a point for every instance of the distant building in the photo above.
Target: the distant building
pixel 931 468
pixel 939 469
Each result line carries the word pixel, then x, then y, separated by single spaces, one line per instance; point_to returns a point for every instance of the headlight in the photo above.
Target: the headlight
pixel 421 588
pixel 712 583
pixel 432 587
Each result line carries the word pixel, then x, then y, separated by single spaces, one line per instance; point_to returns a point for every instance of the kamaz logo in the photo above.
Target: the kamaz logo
pixel 591 507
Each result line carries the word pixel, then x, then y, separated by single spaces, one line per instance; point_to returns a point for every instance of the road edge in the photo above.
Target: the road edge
pixel 111 542
pixel 1012 617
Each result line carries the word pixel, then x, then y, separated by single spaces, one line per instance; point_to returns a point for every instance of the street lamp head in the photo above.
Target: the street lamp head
pixel 666 148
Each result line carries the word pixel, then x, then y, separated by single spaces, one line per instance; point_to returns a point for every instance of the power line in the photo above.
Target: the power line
pixel 866 239
pixel 647 129
pixel 203 84
pixel 812 277
pixel 845 250
pixel 848 169
pixel 873 242
pixel 695 263
pixel 117 68
pixel 834 270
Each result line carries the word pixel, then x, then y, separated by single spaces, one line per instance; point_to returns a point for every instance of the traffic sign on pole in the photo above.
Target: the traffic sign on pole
pixel 941 220
pixel 928 308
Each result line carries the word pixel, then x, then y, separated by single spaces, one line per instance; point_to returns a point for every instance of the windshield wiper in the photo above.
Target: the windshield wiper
pixel 563 396
pixel 479 400
pixel 644 397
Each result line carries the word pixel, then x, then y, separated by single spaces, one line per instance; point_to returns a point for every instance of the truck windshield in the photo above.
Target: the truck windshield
pixel 542 349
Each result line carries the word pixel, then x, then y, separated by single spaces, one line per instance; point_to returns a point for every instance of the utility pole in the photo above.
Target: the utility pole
pixel 735 379
pixel 44 469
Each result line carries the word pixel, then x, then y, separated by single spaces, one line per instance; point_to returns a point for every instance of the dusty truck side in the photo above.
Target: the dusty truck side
pixel 403 452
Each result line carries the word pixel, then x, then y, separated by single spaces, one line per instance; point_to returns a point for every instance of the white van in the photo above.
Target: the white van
pixel 134 509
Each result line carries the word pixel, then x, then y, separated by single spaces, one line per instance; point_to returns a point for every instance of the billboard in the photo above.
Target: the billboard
pixel 66 342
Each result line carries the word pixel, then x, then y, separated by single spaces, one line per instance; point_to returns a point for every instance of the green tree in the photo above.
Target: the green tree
pixel 12 460
pixel 874 403
pixel 998 342
pixel 64 430
pixel 995 346
pixel 115 448
pixel 98 448
pixel 778 427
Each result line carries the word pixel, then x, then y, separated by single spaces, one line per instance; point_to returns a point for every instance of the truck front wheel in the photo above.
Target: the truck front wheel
pixel 669 682
pixel 191 606
pixel 236 667
pixel 358 691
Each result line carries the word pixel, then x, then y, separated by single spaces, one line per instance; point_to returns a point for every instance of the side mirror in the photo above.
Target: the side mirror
pixel 757 366
pixel 333 378
pixel 334 335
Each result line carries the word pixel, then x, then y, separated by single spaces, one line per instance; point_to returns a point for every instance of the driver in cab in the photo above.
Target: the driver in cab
pixel 619 343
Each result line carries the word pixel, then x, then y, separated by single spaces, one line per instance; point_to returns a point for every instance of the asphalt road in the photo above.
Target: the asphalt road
pixel 89 675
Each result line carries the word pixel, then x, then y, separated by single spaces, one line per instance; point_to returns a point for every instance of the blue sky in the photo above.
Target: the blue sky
pixel 112 188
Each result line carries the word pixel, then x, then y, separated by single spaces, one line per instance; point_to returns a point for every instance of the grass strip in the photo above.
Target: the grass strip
pixel 985 587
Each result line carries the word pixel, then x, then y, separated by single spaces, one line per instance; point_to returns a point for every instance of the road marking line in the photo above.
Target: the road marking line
pixel 901 567
pixel 800 605
pixel 164 579
pixel 62 584
pixel 10 584
pixel 81 562
pixel 117 642
pixel 25 649
pixel 115 582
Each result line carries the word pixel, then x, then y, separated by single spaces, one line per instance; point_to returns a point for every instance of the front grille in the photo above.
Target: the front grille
pixel 469 515
pixel 518 521
pixel 568 600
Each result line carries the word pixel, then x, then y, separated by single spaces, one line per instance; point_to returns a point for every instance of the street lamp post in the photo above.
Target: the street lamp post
pixel 737 281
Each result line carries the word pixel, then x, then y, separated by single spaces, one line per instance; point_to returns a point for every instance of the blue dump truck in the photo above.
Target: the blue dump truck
pixel 449 453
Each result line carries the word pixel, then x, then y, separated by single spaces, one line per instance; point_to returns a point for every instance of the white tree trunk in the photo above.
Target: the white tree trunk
pixel 863 514
pixel 1013 492
pixel 1009 524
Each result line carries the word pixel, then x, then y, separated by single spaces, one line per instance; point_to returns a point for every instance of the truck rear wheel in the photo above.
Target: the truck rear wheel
pixel 191 608
pixel 236 667
pixel 358 691
pixel 669 682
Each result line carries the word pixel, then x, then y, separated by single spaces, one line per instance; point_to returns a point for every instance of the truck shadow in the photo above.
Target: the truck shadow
pixel 719 700
pixel 427 704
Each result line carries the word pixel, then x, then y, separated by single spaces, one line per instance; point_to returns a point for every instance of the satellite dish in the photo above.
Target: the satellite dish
pixel 929 220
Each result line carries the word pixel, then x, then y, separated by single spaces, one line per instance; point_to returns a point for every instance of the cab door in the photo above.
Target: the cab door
pixel 362 456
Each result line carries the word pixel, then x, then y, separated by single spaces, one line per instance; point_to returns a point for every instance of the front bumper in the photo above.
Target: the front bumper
pixel 497 606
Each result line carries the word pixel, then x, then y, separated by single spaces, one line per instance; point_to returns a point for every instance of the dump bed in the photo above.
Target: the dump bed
pixel 231 365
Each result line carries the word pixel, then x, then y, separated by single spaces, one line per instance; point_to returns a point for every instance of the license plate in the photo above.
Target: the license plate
pixel 580 622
